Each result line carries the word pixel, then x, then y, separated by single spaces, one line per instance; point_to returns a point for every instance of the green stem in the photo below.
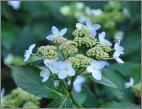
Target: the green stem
pixel 74 101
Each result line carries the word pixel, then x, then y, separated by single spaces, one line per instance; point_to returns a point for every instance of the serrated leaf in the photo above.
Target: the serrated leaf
pixel 61 102
pixel 29 79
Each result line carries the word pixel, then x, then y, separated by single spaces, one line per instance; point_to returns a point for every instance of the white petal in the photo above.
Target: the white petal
pixel 118 60
pixel 32 47
pixel 90 68
pixel 88 23
pixel 96 26
pixel 55 30
pixel 79 79
pixel 62 32
pixel 97 74
pixel 62 75
pixel 79 25
pixel 15 4
pixel 101 36
pixel 97 64
pixel 56 83
pixel 27 56
pixel 71 72
pixel 77 87
pixel 50 37
pixel 45 74
pixel 129 84
pixel 93 33
pixel 106 42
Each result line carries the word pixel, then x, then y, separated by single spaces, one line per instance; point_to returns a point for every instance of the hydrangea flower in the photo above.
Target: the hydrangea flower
pixel 95 68
pixel 15 4
pixel 45 73
pixel 92 27
pixel 103 40
pixel 77 85
pixel 130 83
pixel 62 69
pixel 118 52
pixel 51 64
pixel 28 52
pixel 55 33
pixel 65 69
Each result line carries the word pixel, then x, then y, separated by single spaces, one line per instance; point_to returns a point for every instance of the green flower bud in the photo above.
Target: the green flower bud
pixel 18 97
pixel 59 40
pixel 137 89
pixel 80 61
pixel 69 47
pixel 30 105
pixel 98 53
pixel 83 32
pixel 104 47
pixel 48 52
pixel 85 41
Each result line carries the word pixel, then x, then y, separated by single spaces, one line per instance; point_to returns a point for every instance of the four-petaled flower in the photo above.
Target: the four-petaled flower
pixel 28 52
pixel 103 40
pixel 92 27
pixel 95 68
pixel 56 33
pixel 118 52
pixel 65 69
pixel 130 83
pixel 62 69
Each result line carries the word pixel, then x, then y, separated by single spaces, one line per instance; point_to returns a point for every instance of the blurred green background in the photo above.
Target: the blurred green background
pixel 32 22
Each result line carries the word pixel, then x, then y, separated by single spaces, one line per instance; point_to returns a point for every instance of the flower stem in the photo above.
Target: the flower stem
pixel 74 101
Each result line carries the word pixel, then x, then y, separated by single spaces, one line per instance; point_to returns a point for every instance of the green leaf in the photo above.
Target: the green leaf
pixel 61 102
pixel 105 81
pixel 28 78
pixel 120 105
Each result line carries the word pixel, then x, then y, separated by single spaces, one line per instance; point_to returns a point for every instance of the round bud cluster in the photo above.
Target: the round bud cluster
pixel 104 47
pixel 98 53
pixel 69 47
pixel 59 40
pixel 80 61
pixel 18 98
pixel 83 32
pixel 49 52
pixel 85 41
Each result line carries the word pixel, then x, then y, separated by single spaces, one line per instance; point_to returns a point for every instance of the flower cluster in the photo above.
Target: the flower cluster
pixel 20 98
pixel 86 52
pixel 48 52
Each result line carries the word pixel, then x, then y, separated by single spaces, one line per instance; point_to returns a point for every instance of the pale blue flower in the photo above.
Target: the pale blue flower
pixel 15 4
pixel 118 51
pixel 130 83
pixel 77 85
pixel 95 68
pixel 55 33
pixel 92 27
pixel 28 52
pixel 44 73
pixel 52 65
pixel 103 40
pixel 65 69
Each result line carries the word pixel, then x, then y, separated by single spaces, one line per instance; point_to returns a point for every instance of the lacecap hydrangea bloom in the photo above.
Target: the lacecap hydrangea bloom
pixel 85 51
pixel 66 62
